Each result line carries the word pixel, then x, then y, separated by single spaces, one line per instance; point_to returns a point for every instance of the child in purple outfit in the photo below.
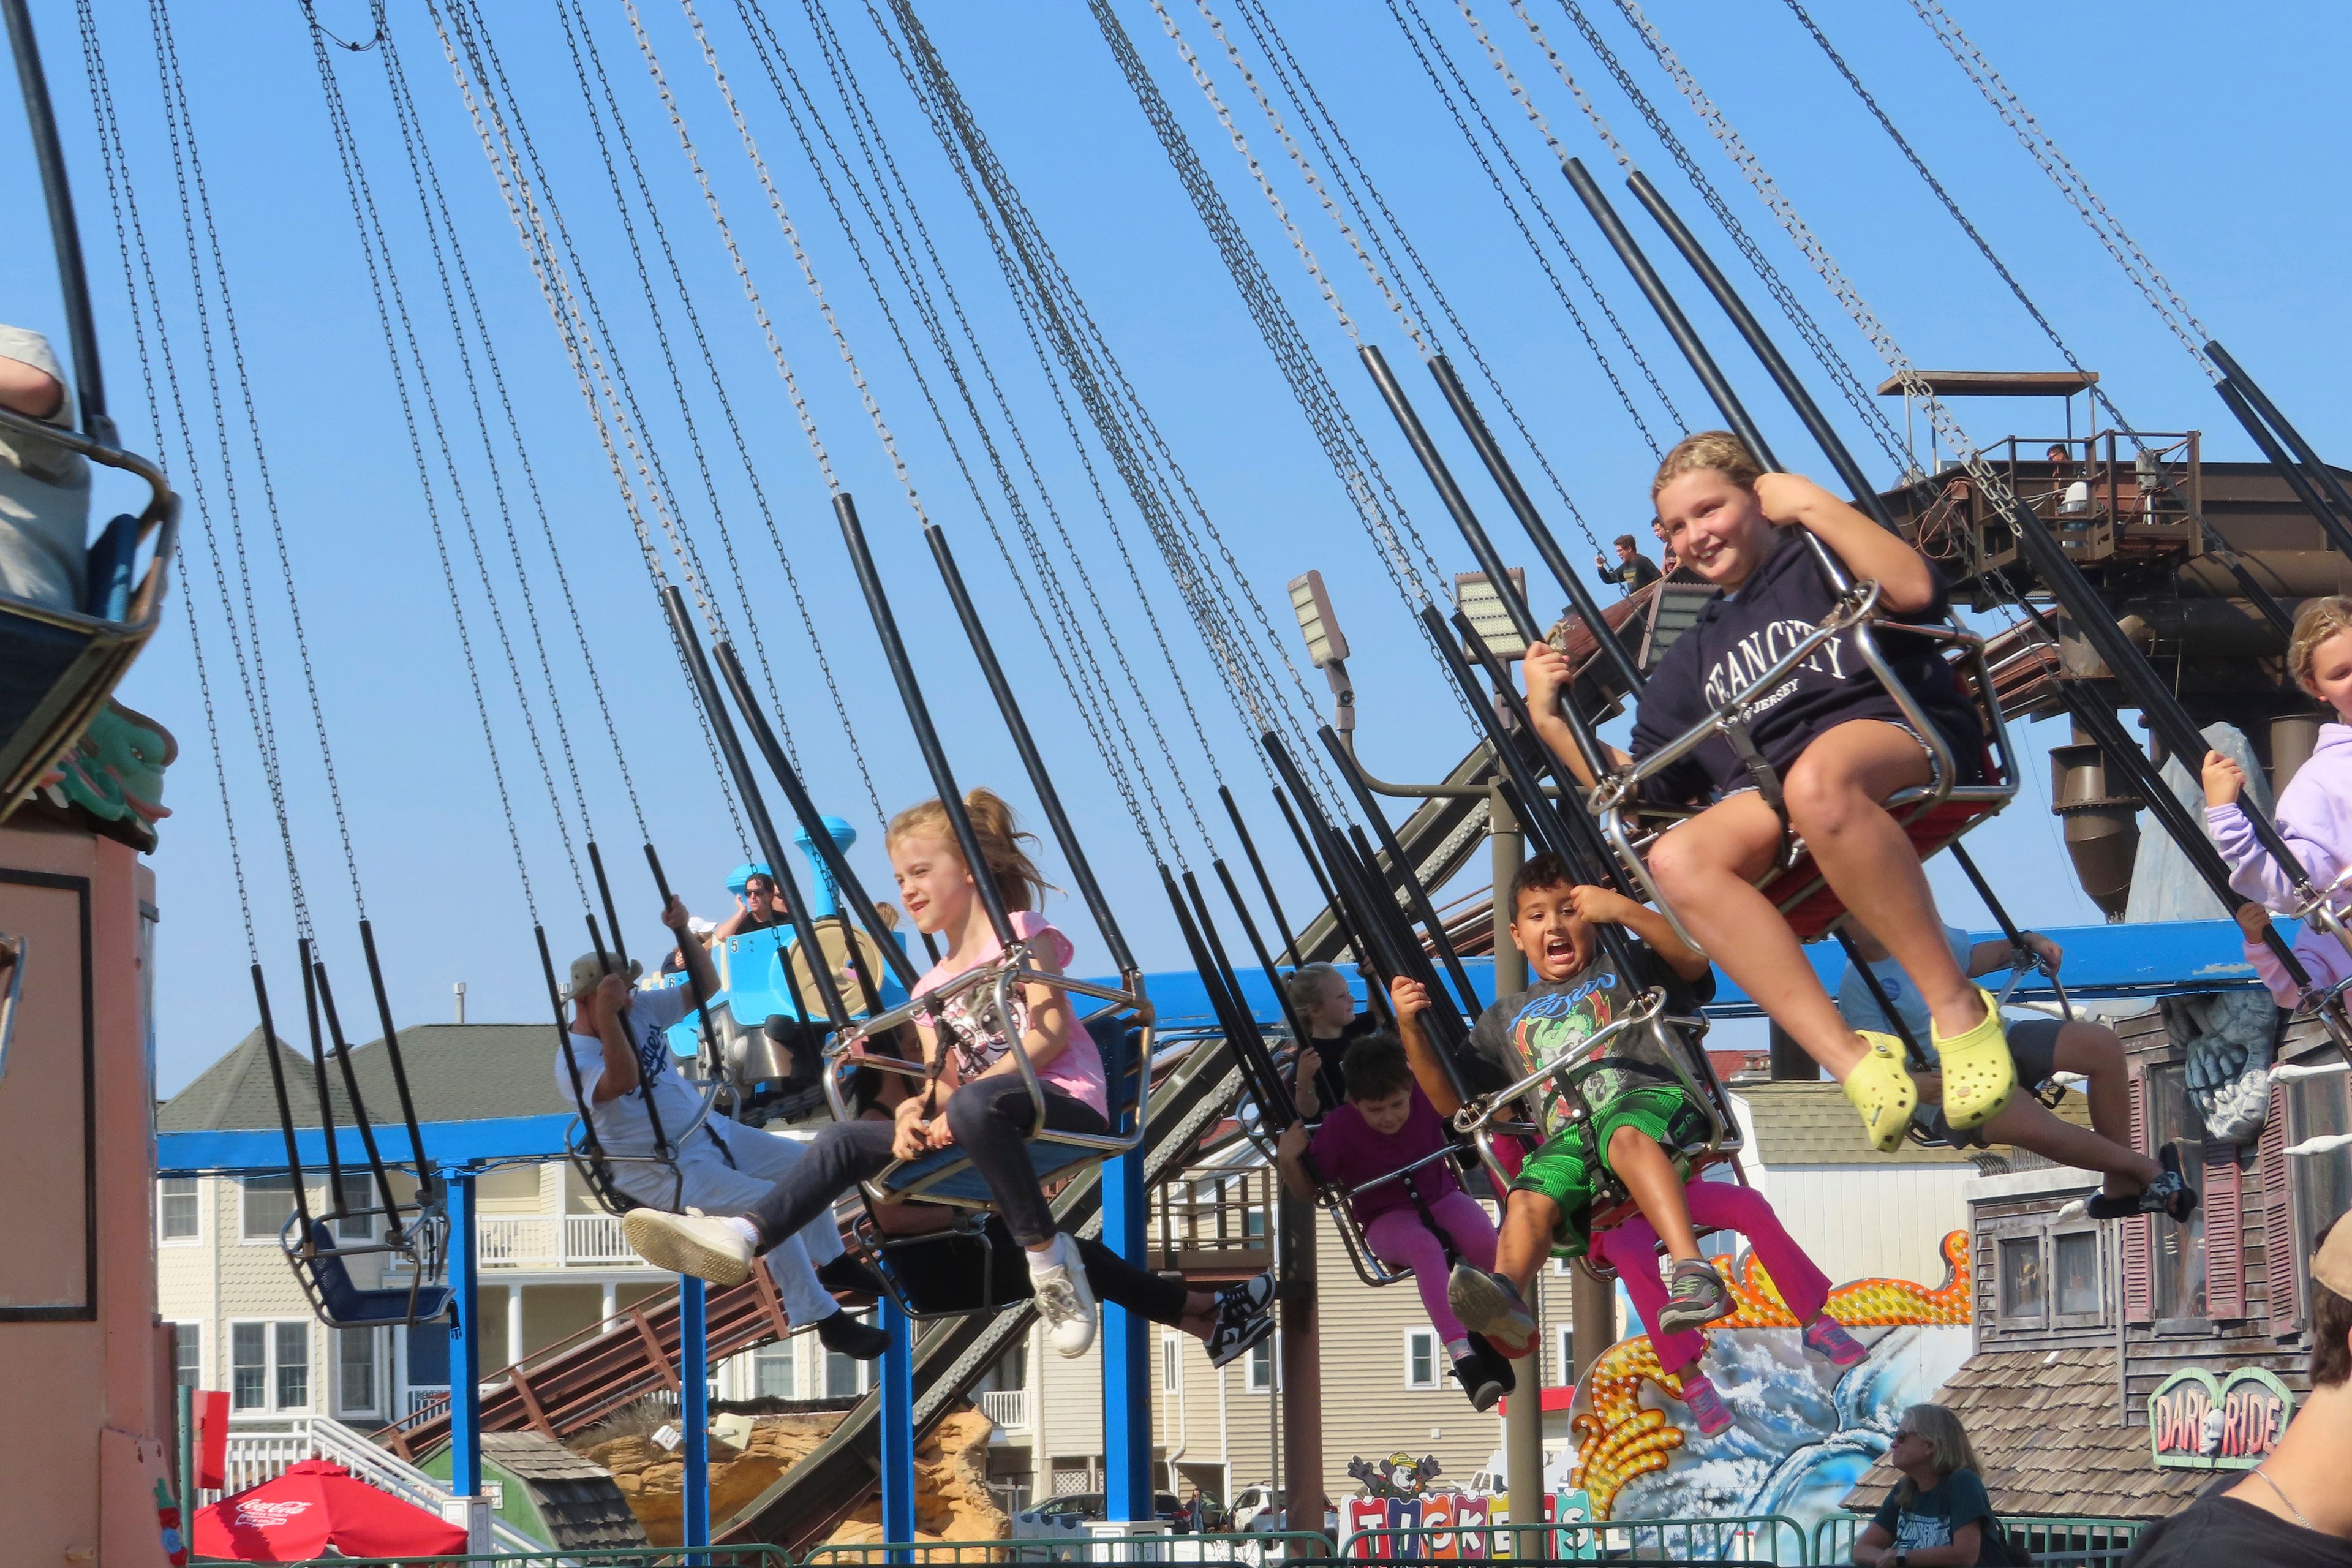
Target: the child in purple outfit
pixel 2314 810
pixel 1387 1125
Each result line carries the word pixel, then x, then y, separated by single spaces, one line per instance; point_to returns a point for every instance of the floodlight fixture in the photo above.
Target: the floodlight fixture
pixel 1326 645
pixel 1476 598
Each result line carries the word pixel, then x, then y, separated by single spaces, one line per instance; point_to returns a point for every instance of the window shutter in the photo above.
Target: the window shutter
pixel 2279 1274
pixel 2225 1236
pixel 2140 1281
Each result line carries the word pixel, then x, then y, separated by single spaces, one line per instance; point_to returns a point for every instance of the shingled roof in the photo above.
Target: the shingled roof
pixel 1813 1124
pixel 457 1072
pixel 578 1501
pixel 2046 1425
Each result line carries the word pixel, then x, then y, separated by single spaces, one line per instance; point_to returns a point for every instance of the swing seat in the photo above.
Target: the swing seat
pixel 339 1304
pixel 59 665
pixel 1932 815
pixel 932 1178
pixel 1371 1267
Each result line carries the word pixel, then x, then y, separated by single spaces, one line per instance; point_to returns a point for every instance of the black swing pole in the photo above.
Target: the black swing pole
pixel 1515 495
pixel 1402 870
pixel 693 985
pixel 836 865
pixel 918 717
pixel 1967 866
pixel 318 1073
pixel 1260 1075
pixel 428 1175
pixel 1340 920
pixel 1379 946
pixel 2250 398
pixel 1257 868
pixel 342 1051
pixel 2298 479
pixel 611 911
pixel 1258 948
pixel 1229 982
pixel 284 1101
pixel 1049 799
pixel 755 809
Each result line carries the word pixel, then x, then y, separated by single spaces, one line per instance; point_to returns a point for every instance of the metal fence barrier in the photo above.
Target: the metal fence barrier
pixel 573 1557
pixel 2056 1540
pixel 1762 1538
pixel 1253 1549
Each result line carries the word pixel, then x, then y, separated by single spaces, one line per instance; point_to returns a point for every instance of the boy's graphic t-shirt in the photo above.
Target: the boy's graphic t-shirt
pixel 1931 1517
pixel 1525 1031
pixel 1741 634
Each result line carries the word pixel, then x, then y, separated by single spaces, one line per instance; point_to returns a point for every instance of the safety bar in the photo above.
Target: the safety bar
pixel 1369 1265
pixel 1001 977
pixel 1480 1111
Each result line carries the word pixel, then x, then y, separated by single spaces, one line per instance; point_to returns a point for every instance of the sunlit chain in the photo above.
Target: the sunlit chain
pixel 403 100
pixel 2153 286
pixel 360 214
pixel 1527 99
pixel 131 230
pixel 522 210
pixel 1859 395
pixel 1087 690
pixel 1319 117
pixel 1424 40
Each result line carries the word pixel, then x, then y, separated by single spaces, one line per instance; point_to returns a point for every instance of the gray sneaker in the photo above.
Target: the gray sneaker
pixel 1490 1305
pixel 1696 1296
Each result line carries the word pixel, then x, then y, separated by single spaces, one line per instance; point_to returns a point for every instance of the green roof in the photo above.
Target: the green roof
pixel 457 1072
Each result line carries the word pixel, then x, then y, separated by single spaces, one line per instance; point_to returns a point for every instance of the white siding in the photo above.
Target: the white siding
pixel 1870 1222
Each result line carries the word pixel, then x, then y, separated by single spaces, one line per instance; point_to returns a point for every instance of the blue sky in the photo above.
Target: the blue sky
pixel 2207 142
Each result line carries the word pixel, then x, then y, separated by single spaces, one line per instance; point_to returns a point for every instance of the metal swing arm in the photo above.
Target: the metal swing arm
pixel 1336 1199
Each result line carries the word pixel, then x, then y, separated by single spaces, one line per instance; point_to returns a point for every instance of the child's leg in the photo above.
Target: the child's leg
pixel 1398 1236
pixel 2093 1050
pixel 1832 793
pixel 991 1117
pixel 1524 1239
pixel 1631 1247
pixel 2028 1123
pixel 1653 1182
pixel 1466 1224
pixel 1803 1288
pixel 1706 868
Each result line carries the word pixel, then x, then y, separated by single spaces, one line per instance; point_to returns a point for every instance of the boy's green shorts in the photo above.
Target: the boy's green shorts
pixel 1565 1169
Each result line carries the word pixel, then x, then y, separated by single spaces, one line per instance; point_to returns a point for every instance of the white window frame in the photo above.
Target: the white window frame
pixel 1251 1381
pixel 1426 1339
pixel 178 1324
pixel 273 1238
pixel 1172 1363
pixel 195 1194
pixel 865 1369
pixel 376 1374
pixel 1563 1338
pixel 790 1359
pixel 271 1366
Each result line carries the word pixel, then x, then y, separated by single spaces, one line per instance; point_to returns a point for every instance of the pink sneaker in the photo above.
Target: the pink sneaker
pixel 1827 1338
pixel 1706 1406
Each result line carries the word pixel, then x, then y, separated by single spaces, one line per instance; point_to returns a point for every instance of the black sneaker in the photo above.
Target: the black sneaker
pixel 849 1275
pixel 1478 1380
pixel 1498 1366
pixel 1696 1296
pixel 845 1334
pixel 1248 1298
pixel 2169 1194
pixel 1236 1334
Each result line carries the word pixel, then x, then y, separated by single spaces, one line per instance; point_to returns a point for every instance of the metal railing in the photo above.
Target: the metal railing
pixel 575 1557
pixel 1008 1408
pixel 545 1241
pixel 2056 1540
pixel 258 1456
pixel 1254 1547
pixel 1770 1538
pixel 1204 1212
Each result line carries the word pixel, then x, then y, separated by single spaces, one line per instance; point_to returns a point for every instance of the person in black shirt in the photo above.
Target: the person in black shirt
pixel 1840 746
pixel 1318 993
pixel 2294 1510
pixel 760 906
pixel 1634 571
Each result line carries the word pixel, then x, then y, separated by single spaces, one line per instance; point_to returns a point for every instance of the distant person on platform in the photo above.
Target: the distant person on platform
pixel 2074 492
pixel 618 1064
pixel 2294 1508
pixel 44 484
pixel 1634 571
pixel 758 907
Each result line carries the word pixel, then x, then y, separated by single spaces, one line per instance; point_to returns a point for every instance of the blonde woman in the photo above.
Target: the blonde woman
pixel 1937 1515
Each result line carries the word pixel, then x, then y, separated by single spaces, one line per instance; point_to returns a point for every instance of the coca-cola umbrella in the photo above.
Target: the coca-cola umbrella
pixel 316 1505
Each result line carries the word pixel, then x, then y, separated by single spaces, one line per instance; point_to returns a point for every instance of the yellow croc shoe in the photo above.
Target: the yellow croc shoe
pixel 1979 1073
pixel 1881 1089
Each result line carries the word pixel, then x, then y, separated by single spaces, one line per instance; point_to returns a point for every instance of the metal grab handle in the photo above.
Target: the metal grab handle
pixel 1476 1116
pixel 160 518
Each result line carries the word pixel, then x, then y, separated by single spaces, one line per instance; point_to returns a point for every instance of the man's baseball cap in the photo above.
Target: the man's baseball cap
pixel 2332 1264
pixel 587 970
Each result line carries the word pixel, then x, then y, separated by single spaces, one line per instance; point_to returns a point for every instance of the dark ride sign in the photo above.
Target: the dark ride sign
pixel 2199 1422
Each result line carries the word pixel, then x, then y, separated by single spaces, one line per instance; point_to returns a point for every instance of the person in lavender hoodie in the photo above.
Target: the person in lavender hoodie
pixel 2314 810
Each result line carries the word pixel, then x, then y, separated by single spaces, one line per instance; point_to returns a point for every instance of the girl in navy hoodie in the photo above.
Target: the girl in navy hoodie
pixel 1840 745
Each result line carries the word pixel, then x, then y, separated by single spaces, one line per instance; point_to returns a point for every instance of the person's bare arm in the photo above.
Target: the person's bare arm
pixel 1548 677
pixel 1905 582
pixel 1872 1548
pixel 620 1074
pixel 1411 1000
pixel 1303 1096
pixel 1604 906
pixel 1289 1153
pixel 698 966
pixel 29 390
pixel 1967 1541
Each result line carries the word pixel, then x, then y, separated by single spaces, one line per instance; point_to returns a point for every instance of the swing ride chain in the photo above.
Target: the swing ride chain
pixel 1286 67
pixel 403 100
pixel 1057 302
pixel 1086 696
pixel 2172 308
pixel 734 427
pixel 355 185
pixel 1859 394
pixel 1428 36
pixel 124 201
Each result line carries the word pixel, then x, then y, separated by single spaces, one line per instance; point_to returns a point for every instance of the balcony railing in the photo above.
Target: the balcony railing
pixel 1213 1221
pixel 547 1241
pixel 1008 1408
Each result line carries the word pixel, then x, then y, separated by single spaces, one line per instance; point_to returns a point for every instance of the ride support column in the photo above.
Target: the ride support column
pixel 1523 1457
pixel 466 1505
pixel 694 1405
pixel 898 1393
pixel 1300 1372
pixel 1126 1356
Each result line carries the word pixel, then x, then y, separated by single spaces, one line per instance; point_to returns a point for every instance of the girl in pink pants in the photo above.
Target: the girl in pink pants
pixel 1631 1247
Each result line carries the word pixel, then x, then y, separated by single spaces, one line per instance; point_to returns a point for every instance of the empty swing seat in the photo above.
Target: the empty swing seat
pixel 340 1304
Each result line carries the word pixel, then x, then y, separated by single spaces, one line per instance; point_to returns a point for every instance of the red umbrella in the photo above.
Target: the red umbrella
pixel 316 1505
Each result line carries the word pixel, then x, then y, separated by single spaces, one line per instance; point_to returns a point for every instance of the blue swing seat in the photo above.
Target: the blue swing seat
pixel 343 1305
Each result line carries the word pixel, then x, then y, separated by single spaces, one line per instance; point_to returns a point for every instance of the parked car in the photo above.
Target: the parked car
pixel 1068 1514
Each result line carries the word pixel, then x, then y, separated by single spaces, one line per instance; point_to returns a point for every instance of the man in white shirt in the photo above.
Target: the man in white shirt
pixel 44 485
pixel 618 1062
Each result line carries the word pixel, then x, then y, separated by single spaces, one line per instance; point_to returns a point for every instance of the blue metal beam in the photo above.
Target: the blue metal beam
pixel 694 1405
pixel 1126 1354
pixel 898 1429
pixel 465 1343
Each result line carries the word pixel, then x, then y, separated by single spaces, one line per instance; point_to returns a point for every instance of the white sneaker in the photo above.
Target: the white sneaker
pixel 1064 1302
pixel 689 1243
